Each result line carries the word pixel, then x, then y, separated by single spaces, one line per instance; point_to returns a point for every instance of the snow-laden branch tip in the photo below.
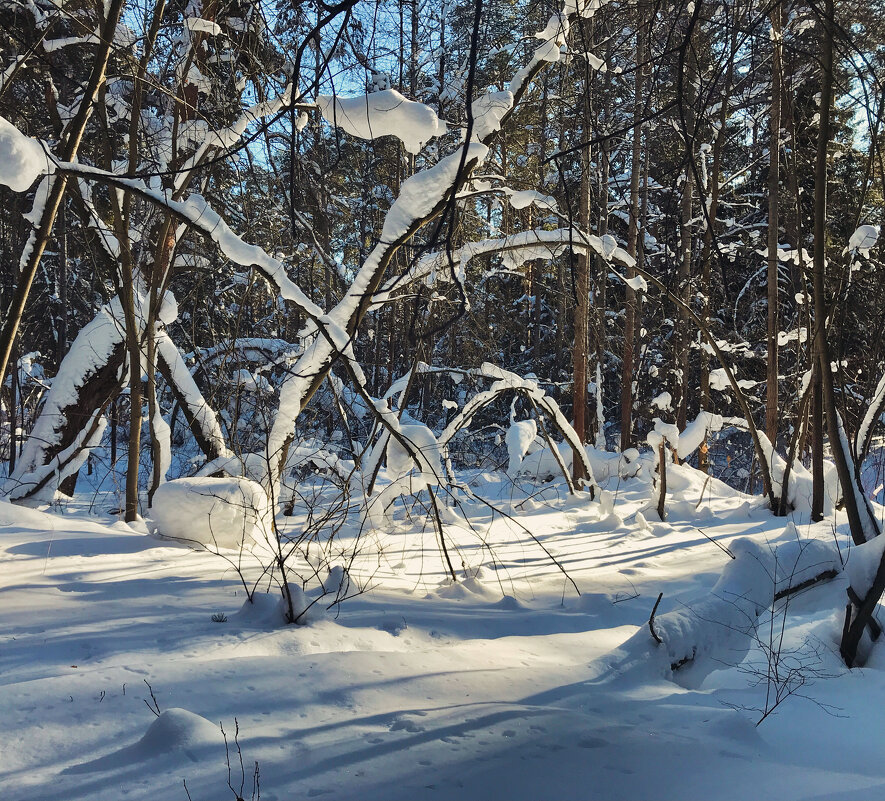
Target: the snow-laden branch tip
pixel 385 113
pixel 22 158
pixel 864 238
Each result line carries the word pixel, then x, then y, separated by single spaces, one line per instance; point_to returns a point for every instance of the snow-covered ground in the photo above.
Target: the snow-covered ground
pixel 504 685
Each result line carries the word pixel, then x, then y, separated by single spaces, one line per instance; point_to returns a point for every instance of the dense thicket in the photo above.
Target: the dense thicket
pixel 685 133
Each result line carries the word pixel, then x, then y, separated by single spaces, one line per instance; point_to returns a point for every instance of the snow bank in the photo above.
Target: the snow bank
pixel 385 113
pixel 219 512
pixel 542 464
pixel 719 629
pixel 22 159
pixel 801 560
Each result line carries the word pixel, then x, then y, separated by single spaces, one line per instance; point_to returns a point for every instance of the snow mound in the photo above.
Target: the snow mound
pixel 385 113
pixel 178 729
pixel 218 512
pixel 269 610
pixel 719 629
pixel 175 732
pixel 22 159
pixel 469 589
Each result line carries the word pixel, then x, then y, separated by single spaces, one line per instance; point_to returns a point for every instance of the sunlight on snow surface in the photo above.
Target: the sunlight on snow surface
pixel 504 685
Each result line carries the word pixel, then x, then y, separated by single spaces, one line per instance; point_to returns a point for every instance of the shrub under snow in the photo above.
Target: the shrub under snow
pixel 220 512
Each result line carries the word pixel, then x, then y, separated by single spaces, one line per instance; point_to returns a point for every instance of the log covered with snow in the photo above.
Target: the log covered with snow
pixel 719 629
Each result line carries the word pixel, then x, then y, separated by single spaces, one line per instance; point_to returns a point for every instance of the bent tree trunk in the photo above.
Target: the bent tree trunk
pixel 89 378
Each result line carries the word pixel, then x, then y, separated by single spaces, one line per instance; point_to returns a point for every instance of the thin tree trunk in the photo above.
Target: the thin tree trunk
pixel 61 346
pixel 771 386
pixel 685 236
pixel 581 324
pixel 581 317
pixel 633 233
pixel 846 472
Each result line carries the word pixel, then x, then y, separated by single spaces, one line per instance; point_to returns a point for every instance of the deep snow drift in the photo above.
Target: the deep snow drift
pixel 505 684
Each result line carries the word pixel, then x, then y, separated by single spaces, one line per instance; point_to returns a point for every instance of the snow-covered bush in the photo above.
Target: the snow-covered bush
pixel 214 512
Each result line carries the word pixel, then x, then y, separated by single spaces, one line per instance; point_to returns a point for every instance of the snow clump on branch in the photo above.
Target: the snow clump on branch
pixel 22 159
pixel 385 113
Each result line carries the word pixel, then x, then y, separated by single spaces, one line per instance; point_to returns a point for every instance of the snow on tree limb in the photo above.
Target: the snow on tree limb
pixel 49 446
pixel 384 113
pixel 22 158
pixel 200 416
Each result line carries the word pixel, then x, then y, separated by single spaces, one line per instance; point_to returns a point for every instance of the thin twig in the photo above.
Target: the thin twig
pixel 651 620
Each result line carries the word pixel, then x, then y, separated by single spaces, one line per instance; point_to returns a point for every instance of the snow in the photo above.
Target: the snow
pixel 420 193
pixel 423 443
pixel 89 352
pixel 549 51
pixel 163 437
pixel 22 159
pixel 557 29
pixel 696 431
pixel 212 512
pixel 187 387
pixel 872 413
pixel 863 238
pixel 251 382
pixel 199 25
pixel 385 113
pixel 504 684
pixel 663 401
pixel 520 436
pixel 719 380
pixel 668 431
pixel 595 62
pixel 637 283
pixel 175 732
pixel 487 111
pixel 863 563
pixel 521 199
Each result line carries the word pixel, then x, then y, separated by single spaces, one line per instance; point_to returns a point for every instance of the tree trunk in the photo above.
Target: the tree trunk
pixel 855 508
pixel 771 386
pixel 581 321
pixel 685 236
pixel 633 233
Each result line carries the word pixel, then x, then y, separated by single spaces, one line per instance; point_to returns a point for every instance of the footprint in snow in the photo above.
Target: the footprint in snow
pixel 404 724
